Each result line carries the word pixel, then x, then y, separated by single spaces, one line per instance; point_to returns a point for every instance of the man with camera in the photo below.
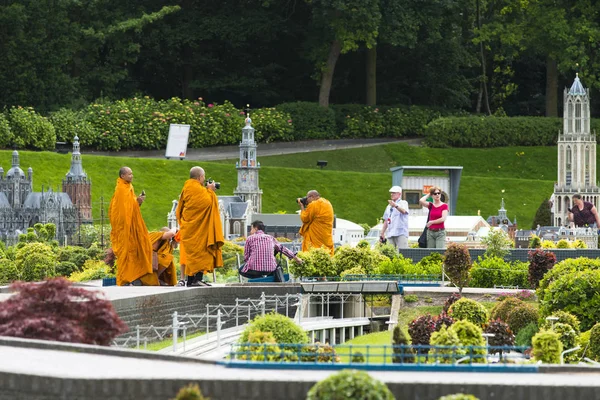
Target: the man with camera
pixel 259 254
pixel 395 220
pixel 317 221
pixel 200 226
pixel 129 235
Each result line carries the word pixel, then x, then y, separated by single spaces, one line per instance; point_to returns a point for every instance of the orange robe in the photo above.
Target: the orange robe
pixel 129 237
pixel 165 258
pixel 182 259
pixel 317 225
pixel 200 227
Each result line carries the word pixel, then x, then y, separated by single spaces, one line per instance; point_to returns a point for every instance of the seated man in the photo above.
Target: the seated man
pixel 259 253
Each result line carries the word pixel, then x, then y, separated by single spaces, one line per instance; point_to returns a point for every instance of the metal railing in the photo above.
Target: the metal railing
pixel 377 356
pixel 401 278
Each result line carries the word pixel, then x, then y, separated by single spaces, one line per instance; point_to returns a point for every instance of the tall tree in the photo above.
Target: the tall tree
pixel 340 26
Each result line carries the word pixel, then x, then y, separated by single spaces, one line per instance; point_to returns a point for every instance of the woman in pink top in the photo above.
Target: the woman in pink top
pixel 438 211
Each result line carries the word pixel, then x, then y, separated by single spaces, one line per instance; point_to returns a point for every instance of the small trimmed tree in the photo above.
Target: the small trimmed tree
pixel 457 263
pixel 55 310
pixel 543 215
pixel 350 384
pixel 540 262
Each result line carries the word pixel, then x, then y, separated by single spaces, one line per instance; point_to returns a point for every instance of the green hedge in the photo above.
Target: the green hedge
pixel 480 131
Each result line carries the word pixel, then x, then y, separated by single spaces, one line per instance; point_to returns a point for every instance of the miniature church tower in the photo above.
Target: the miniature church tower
pixel 248 167
pixel 79 188
pixel 576 154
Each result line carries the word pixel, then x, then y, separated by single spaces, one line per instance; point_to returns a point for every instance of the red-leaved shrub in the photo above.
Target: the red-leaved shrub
pixel 540 262
pixel 55 310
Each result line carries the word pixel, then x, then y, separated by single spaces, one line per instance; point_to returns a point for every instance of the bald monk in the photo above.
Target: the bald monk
pixel 129 235
pixel 317 222
pixel 162 248
pixel 200 226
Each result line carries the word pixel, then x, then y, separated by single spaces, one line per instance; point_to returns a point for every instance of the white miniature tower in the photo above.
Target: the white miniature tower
pixel 576 154
pixel 247 166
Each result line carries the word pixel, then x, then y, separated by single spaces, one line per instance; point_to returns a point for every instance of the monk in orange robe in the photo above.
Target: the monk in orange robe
pixel 182 261
pixel 317 222
pixel 162 248
pixel 200 227
pixel 129 235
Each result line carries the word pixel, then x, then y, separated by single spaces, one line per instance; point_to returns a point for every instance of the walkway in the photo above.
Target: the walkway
pixel 265 149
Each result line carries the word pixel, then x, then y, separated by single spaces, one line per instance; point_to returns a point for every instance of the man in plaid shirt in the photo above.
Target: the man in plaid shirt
pixel 259 253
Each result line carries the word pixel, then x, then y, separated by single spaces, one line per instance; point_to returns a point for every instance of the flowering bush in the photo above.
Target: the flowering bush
pixel 31 130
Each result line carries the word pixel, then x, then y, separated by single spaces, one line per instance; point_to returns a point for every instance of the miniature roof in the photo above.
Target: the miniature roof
pixel 577 87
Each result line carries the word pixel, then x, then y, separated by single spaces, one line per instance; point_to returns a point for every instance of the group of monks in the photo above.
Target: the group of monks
pixel 146 258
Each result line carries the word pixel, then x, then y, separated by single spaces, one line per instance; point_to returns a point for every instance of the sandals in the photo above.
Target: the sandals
pixel 180 283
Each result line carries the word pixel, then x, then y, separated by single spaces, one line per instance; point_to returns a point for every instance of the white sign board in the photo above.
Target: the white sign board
pixel 178 141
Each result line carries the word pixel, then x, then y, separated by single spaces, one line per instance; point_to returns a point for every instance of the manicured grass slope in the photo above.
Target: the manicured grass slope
pixel 356 181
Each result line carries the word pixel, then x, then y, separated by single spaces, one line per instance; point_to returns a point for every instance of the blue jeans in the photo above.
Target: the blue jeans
pixel 436 239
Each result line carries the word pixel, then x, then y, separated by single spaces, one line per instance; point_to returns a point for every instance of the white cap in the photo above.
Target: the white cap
pixel 396 189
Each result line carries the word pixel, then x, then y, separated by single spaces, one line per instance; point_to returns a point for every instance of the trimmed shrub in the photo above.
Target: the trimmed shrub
pixel 92 269
pixel 583 340
pixel 525 335
pixel 522 316
pixel 503 309
pixel 36 262
pixel 503 335
pixel 563 317
pixel 451 346
pixel 6 135
pixel 359 358
pixel 547 347
pixel 190 392
pixel 540 262
pixel 31 130
pixel 396 266
pixel 470 334
pixel 261 346
pixel 284 330
pixel 353 271
pixel 66 268
pixel 315 262
pixel 457 263
pixel 431 264
pixel 68 124
pixel 8 271
pixel 494 271
pixel 567 267
pixel 420 330
pixel 347 257
pixel 310 120
pixel 349 384
pixel 469 310
pixel 388 250
pixel 577 293
pixel 400 343
pixel 594 341
pixel 568 338
pixel 449 301
pixel 459 396
pixel 497 244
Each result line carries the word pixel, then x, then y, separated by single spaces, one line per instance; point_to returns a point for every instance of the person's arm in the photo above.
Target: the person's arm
pixel 247 249
pixel 595 212
pixel 285 251
pixel 402 206
pixel 423 201
pixel 439 220
pixel 306 215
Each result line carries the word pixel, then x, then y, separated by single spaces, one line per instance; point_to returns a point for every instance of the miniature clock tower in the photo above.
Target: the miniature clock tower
pixel 248 167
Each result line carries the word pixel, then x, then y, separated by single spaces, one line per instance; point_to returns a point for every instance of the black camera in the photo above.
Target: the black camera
pixel 304 201
pixel 217 184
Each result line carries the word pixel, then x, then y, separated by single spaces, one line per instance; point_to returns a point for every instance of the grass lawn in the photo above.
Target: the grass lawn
pixel 356 181
pixel 359 344
pixel 156 346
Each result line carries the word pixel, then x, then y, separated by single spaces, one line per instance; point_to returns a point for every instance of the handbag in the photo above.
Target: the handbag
pixel 423 238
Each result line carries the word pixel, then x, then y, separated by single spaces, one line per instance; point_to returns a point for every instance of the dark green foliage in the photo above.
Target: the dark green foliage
pixel 503 309
pixel 470 334
pixel 540 262
pixel 310 120
pixel 73 254
pixel 543 215
pixel 449 301
pixel 576 293
pixel 66 268
pixel 402 352
pixel 349 384
pixel 31 130
pixel 522 316
pixel 420 330
pixel 190 392
pixel 358 357
pixel 566 267
pixel 525 335
pixel 347 257
pixel 431 264
pixel 457 263
pixel 477 131
pixel 547 347
pixel 284 330
pixel 568 338
pixel 36 262
pixel 388 250
pixel 503 335
pixel 469 310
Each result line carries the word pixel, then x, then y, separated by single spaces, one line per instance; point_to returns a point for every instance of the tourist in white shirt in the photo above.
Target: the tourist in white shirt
pixel 395 220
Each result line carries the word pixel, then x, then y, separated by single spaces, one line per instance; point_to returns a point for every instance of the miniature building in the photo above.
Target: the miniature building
pixel 576 155
pixel 22 208
pixel 501 221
